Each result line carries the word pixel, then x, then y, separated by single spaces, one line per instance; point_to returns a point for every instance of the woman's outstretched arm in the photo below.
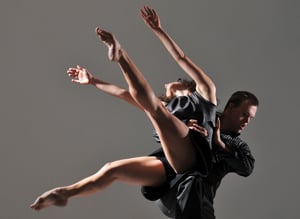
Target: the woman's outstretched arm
pixel 204 85
pixel 81 75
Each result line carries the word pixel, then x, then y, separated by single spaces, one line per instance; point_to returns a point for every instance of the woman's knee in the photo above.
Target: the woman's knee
pixel 150 103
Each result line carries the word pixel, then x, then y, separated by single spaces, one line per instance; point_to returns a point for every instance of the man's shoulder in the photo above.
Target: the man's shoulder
pixel 233 140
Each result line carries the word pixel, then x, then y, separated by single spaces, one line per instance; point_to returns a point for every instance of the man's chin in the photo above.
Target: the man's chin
pixel 240 129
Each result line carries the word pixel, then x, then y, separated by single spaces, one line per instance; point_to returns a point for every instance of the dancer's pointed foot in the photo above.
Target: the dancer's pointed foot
pixel 53 197
pixel 114 47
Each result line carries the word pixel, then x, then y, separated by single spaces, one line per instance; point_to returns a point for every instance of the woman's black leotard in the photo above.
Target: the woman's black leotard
pixel 185 108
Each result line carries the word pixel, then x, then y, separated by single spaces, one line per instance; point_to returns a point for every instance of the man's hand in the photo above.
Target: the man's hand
pixel 217 135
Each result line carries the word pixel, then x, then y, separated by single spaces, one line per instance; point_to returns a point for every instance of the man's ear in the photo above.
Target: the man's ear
pixel 229 108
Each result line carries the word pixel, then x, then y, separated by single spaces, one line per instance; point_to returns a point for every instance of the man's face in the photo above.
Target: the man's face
pixel 238 117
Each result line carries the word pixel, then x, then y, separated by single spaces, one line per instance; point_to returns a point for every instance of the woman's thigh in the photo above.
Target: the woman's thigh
pixel 175 140
pixel 144 171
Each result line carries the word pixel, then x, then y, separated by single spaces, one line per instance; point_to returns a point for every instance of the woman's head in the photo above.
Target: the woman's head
pixel 180 87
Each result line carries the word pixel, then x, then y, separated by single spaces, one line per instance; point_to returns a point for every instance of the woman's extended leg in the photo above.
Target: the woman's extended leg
pixel 144 171
pixel 172 132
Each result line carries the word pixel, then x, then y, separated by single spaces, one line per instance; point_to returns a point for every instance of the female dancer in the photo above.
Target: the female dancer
pixel 182 148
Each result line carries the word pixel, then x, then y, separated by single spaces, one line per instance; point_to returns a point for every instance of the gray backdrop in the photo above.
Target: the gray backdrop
pixel 54 132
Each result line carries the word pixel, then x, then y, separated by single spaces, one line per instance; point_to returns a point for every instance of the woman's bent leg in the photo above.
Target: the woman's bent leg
pixel 172 132
pixel 145 171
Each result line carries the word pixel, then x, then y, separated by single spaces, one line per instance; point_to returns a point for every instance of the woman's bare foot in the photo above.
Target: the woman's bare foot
pixel 54 197
pixel 114 48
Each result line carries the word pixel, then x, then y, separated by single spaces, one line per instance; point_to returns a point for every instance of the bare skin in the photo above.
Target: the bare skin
pixel 235 119
pixel 204 85
pixel 172 132
pixel 147 171
pixel 135 171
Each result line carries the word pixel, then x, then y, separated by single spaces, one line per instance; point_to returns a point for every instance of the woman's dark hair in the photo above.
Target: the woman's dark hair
pixel 239 96
pixel 189 84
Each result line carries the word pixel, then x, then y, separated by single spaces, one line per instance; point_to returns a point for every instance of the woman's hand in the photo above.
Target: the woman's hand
pixel 192 124
pixel 80 75
pixel 150 17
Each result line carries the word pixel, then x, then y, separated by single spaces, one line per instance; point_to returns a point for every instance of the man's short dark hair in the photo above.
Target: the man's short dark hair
pixel 239 96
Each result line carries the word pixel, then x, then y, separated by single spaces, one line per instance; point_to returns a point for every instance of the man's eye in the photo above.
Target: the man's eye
pixel 245 114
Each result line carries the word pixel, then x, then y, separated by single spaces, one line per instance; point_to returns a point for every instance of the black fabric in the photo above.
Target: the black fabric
pixel 193 106
pixel 203 151
pixel 236 158
pixel 190 195
pixel 203 166
pixel 154 193
pixel 191 200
